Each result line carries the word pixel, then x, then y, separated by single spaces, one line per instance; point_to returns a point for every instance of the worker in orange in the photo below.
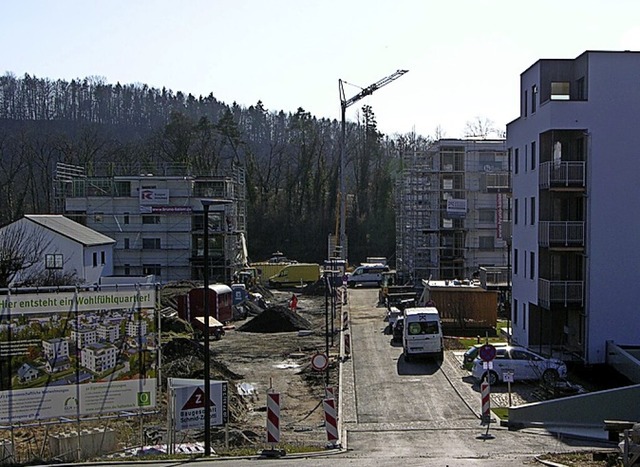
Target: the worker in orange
pixel 293 303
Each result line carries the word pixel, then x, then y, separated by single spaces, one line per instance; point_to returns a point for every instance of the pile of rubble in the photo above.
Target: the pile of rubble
pixel 274 319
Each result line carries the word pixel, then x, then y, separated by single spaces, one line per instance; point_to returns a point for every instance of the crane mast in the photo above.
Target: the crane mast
pixel 341 237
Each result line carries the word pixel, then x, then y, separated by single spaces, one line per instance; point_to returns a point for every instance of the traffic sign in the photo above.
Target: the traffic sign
pixel 487 352
pixel 319 362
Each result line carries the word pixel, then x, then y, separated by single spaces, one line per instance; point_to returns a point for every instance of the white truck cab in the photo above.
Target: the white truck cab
pixel 422 334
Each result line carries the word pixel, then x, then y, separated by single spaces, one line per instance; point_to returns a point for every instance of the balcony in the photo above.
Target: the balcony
pixel 498 182
pixel 561 175
pixel 561 234
pixel 562 293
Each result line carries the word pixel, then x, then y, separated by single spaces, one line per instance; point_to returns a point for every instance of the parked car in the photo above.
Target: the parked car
pixel 472 353
pixel 523 364
pixel 398 329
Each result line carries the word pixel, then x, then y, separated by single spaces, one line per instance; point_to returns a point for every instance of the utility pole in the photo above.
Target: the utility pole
pixel 341 239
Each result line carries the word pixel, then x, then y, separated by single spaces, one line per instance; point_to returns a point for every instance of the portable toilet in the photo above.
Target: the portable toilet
pixel 239 293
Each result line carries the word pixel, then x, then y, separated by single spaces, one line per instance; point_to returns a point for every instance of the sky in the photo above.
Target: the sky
pixel 464 58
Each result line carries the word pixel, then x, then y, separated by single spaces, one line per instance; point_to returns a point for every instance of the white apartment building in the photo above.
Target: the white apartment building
pixel 451 201
pixel 155 214
pixel 83 336
pixel 576 204
pixel 137 328
pixel 108 332
pixel 55 348
pixel 99 357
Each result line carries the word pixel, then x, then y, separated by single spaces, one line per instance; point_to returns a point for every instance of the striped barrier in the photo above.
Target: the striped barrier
pixel 345 320
pixel 331 420
pixel 485 391
pixel 273 417
pixel 330 392
pixel 347 345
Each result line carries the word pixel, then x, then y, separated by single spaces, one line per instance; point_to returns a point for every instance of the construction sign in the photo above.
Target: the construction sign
pixel 189 403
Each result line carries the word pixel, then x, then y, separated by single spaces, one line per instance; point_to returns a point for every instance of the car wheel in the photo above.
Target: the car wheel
pixel 491 378
pixel 550 377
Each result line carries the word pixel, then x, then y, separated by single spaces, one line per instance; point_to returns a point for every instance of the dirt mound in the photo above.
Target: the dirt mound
pixel 184 358
pixel 277 318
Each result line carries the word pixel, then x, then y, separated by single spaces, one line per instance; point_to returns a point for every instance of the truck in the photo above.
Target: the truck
pixel 296 274
pixel 422 334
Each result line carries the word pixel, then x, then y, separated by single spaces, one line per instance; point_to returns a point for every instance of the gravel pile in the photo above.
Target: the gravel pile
pixel 274 319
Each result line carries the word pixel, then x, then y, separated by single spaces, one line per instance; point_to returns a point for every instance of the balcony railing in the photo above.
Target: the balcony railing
pixel 562 174
pixel 560 234
pixel 563 293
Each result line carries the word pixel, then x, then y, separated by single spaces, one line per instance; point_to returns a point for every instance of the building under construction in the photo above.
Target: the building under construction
pixel 155 212
pixel 452 210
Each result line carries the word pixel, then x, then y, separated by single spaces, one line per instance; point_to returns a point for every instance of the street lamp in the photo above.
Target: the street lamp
pixel 206 203
pixel 207 370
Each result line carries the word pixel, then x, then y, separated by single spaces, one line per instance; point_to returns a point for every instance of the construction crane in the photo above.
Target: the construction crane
pixel 344 103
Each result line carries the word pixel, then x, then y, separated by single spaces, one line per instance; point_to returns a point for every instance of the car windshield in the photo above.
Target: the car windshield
pixel 423 327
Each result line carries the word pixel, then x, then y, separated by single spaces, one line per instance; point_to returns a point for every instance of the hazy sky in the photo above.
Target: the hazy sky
pixel 464 57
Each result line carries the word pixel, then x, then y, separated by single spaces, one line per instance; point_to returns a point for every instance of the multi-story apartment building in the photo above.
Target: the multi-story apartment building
pixel 55 348
pixel 83 336
pixel 155 214
pixel 99 357
pixel 576 204
pixel 451 201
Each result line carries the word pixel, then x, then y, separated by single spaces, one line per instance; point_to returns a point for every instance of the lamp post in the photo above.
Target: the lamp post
pixel 207 370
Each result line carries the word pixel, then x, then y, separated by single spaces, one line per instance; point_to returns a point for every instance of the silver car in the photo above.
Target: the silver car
pixel 519 364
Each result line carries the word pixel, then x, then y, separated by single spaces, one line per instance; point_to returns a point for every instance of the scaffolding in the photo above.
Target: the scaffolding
pixel 451 202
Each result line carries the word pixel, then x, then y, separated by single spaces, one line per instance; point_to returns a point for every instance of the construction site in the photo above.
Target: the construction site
pixel 453 204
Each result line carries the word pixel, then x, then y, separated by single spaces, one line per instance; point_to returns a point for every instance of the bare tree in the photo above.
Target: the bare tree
pixel 481 127
pixel 20 248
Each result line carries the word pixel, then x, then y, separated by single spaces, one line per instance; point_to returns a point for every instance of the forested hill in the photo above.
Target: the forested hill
pixel 292 160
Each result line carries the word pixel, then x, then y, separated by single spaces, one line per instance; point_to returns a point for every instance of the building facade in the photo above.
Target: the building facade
pixel 451 202
pixel 155 214
pixel 576 204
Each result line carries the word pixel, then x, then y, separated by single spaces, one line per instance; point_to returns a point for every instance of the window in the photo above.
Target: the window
pixel 102 257
pixel 150 219
pixel 487 243
pixel 533 210
pixel 525 100
pixel 151 269
pixel 533 155
pixel 515 211
pixel 95 259
pixel 126 243
pixel 524 218
pixel 422 327
pixel 524 316
pixel 486 216
pixel 516 160
pixel 534 97
pixel 581 91
pixel 126 217
pixel 127 269
pixel 515 261
pixel 560 91
pixel 515 311
pixel 53 261
pixel 150 243
pixel 532 264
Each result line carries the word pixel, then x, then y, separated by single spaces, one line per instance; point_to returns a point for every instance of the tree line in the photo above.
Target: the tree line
pixel 291 159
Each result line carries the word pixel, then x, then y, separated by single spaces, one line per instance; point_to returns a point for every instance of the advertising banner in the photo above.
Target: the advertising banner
pixel 77 352
pixel 189 403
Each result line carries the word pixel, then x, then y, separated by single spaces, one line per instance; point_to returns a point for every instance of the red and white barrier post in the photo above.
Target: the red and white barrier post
pixel 331 422
pixel 485 392
pixel 273 418
pixel 347 345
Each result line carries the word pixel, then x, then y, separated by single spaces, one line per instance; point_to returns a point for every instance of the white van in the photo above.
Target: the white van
pixel 367 274
pixel 422 335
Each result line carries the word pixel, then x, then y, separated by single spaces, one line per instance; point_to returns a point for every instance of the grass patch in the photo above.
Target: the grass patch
pixel 501 412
